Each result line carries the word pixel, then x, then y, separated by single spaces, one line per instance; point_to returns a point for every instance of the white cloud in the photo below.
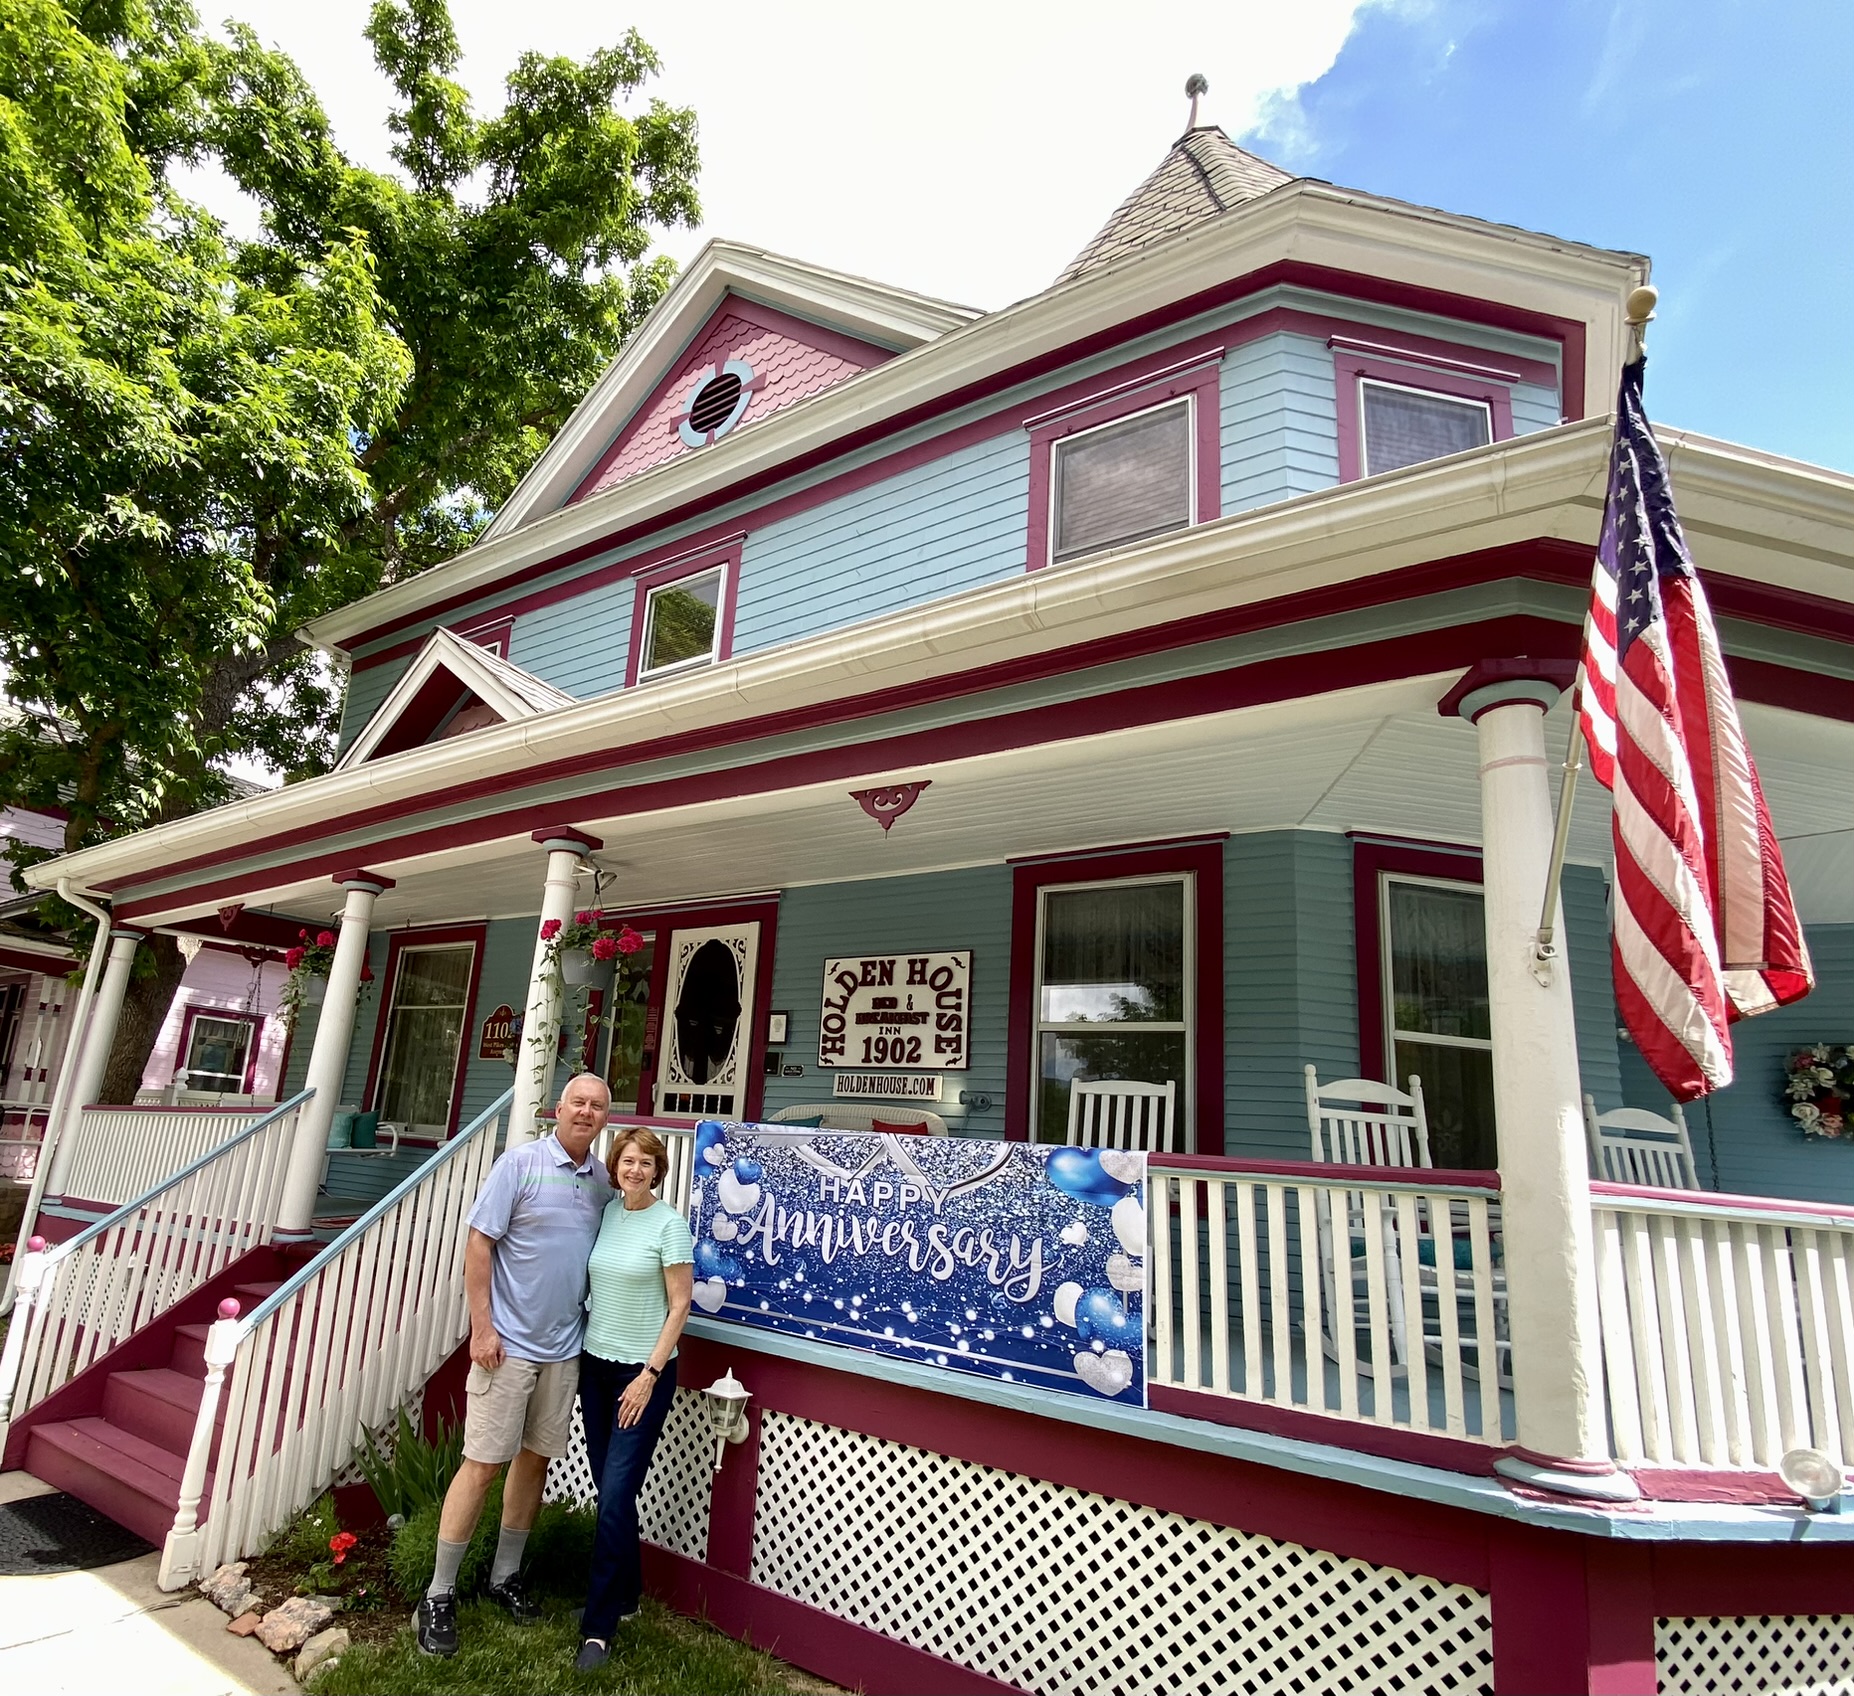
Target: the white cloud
pixel 967 150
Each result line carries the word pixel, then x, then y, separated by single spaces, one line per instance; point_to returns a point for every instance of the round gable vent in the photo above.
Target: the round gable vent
pixel 716 402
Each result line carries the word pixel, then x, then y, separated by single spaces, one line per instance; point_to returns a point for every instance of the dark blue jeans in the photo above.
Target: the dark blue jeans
pixel 620 1460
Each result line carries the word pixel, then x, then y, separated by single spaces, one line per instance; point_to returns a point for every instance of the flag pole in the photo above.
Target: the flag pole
pixel 1637 312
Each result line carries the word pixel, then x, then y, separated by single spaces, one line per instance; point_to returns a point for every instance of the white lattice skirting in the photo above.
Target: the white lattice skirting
pixel 673 1510
pixel 1795 1654
pixel 1058 1590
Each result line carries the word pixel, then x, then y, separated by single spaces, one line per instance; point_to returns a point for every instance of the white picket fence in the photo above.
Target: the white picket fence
pixel 1358 1293
pixel 121 1151
pixel 1727 1327
pixel 81 1298
pixel 337 1347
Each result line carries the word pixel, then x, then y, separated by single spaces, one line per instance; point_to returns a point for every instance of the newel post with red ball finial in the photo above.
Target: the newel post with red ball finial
pixel 180 1557
pixel 26 1295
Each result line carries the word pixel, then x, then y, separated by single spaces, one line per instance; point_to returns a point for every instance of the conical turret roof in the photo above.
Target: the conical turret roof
pixel 1204 174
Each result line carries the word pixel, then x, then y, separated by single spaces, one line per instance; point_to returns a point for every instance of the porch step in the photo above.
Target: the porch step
pixel 159 1405
pixel 135 1482
pixel 188 1354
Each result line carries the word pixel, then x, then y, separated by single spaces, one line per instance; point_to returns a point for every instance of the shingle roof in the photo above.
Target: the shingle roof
pixel 1204 174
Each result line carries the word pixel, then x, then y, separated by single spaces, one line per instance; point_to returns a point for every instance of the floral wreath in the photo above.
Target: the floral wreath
pixel 1819 1087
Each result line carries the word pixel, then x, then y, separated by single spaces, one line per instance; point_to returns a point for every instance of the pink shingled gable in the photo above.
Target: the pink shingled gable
pixel 792 358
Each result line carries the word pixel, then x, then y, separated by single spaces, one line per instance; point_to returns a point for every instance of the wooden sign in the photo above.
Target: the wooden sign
pixel 498 1038
pixel 910 1011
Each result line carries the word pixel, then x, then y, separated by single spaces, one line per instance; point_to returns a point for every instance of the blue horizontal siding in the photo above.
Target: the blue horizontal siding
pixel 925 532
pixel 939 910
pixel 1534 408
pixel 1584 893
pixel 366 690
pixel 1279 431
pixel 579 645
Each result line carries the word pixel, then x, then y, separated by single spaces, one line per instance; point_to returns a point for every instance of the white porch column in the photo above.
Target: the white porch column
pixel 328 1058
pixel 1544 1180
pixel 93 1058
pixel 540 1023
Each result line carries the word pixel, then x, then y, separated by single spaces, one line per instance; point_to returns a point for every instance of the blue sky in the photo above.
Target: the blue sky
pixel 1714 137
pixel 969 150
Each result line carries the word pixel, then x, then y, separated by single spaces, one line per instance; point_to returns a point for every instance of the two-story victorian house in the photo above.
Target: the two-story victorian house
pixel 1181 648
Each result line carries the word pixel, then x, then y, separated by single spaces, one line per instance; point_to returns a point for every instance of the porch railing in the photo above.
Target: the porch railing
pixel 1728 1322
pixel 121 1151
pixel 81 1298
pixel 678 1140
pixel 1358 1293
pixel 338 1346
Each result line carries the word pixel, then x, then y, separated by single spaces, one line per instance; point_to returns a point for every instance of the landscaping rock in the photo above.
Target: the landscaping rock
pixel 228 1589
pixel 286 1629
pixel 322 1647
pixel 244 1625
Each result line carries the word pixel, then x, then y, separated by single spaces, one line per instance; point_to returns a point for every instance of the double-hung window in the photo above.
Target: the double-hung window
pixel 1115 971
pixel 1122 482
pixel 1402 425
pixel 218 1054
pixel 425 1024
pixel 1434 961
pixel 682 624
pixel 1399 407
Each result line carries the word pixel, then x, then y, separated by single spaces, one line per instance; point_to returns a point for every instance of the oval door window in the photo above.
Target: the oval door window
pixel 708 1014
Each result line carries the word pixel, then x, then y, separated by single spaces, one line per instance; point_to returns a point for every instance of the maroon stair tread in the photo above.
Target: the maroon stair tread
pixel 158 1405
pixel 188 1354
pixel 116 1472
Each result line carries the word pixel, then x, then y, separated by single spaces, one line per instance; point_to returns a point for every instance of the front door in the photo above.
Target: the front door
pixel 697 1040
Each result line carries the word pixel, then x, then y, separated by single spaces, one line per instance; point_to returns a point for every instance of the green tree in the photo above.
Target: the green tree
pixel 210 441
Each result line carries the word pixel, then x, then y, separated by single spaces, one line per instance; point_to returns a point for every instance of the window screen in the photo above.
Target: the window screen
pixel 217 1052
pixel 1123 481
pixel 1407 426
pixel 425 1028
pixel 679 622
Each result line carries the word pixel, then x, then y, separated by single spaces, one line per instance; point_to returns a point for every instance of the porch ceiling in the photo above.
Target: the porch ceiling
pixel 1375 759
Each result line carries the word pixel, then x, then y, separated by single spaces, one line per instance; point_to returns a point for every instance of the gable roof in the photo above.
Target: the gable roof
pixel 447 674
pixel 1204 174
pixel 886 318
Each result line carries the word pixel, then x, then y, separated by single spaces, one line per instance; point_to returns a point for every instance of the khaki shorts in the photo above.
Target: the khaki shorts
pixel 523 1404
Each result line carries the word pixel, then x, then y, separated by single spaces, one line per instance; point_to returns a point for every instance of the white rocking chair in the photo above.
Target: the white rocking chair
pixel 1120 1114
pixel 1630 1145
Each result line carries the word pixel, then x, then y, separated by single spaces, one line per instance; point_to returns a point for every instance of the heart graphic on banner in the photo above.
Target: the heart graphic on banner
pixel 1067 1295
pixel 1099 1317
pixel 735 1196
pixel 1126 1165
pixel 1122 1273
pixel 1129 1222
pixel 724 1230
pixel 1107 1374
pixel 710 1293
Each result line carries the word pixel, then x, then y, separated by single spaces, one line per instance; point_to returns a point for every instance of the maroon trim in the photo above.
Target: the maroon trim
pixel 45 965
pixel 442 694
pixel 1056 859
pixel 491 634
pixel 1700 1579
pixel 1568 333
pixel 583 839
pixel 1711 1198
pixel 1205 862
pixel 732 1499
pixel 1351 370
pixel 1447 356
pixel 397 943
pixel 1449 1454
pixel 1131 395
pixel 724 558
pixel 1284 678
pixel 1702 1484
pixel 662 922
pixel 1558 674
pixel 193 1011
pixel 834 342
pixel 257 930
pixel 382 883
pixel 1369 860
pixel 1570 1615
pixel 835 1649
pixel 1448 1176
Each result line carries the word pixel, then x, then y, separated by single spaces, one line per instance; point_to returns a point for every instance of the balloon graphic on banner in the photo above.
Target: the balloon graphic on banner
pixel 1080 1172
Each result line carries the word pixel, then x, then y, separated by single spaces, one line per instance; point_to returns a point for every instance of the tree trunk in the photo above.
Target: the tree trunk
pixel 144 1011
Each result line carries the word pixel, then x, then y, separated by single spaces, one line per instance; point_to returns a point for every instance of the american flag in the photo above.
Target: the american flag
pixel 1706 931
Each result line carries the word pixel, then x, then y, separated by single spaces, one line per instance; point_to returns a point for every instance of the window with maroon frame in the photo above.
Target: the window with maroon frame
pixel 426 1019
pixel 1404 410
pixel 220 1049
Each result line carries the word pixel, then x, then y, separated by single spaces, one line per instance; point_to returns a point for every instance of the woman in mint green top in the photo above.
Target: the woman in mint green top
pixel 642 1276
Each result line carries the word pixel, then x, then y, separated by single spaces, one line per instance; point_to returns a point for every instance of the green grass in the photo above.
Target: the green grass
pixel 657 1654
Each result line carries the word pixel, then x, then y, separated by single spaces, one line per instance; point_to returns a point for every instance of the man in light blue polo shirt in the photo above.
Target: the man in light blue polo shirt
pixel 531 1234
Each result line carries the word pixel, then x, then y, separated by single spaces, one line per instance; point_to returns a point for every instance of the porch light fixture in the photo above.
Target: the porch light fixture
pixel 726 1403
pixel 1814 1477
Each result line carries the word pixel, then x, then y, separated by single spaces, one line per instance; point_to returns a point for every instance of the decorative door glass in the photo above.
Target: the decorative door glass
pixel 705 1042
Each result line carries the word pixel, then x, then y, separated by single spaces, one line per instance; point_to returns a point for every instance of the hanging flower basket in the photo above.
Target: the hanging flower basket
pixel 315 990
pixel 307 963
pixel 580 968
pixel 1818 1089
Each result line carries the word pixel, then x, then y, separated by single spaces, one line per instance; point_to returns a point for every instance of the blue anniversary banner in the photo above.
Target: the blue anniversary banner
pixel 1004 1259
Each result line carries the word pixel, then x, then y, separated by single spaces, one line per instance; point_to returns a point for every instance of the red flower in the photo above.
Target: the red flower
pixel 586 918
pixel 366 971
pixel 340 1543
pixel 550 928
pixel 629 941
pixel 325 939
pixel 292 958
pixel 604 946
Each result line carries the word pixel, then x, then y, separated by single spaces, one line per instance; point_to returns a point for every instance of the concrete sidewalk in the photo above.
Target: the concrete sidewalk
pixel 112 1630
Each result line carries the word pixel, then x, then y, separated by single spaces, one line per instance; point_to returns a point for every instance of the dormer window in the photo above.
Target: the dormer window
pixel 1405 426
pixel 682 624
pixel 1123 482
pixel 717 401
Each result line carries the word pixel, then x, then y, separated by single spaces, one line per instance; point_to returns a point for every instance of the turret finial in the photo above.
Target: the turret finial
pixel 1196 85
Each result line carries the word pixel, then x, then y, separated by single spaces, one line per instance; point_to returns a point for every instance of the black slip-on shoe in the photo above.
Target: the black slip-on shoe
pixel 435 1623
pixel 512 1597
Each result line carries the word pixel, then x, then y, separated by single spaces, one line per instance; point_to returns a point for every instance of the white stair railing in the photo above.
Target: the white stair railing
pixel 121 1151
pixel 81 1298
pixel 1728 1327
pixel 340 1345
pixel 1345 1292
